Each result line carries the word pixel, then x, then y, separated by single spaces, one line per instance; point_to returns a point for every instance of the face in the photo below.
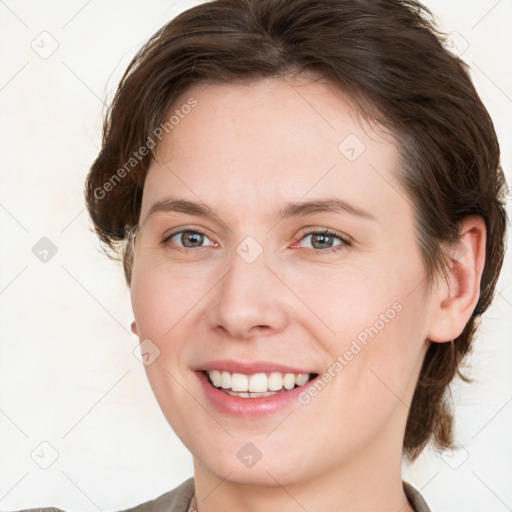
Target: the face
pixel 259 285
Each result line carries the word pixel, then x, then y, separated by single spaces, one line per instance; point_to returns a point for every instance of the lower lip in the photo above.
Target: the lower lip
pixel 250 407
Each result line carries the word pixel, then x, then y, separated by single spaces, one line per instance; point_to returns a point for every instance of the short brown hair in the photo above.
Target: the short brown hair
pixel 388 56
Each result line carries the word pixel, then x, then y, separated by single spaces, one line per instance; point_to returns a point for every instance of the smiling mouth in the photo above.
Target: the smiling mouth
pixel 256 385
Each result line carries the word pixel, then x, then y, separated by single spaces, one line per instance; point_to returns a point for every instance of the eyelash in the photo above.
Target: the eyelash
pixel 345 241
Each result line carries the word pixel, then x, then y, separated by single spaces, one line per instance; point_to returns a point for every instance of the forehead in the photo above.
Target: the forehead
pixel 252 147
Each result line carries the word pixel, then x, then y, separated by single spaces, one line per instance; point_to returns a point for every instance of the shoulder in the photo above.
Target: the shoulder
pixel 415 498
pixel 41 509
pixel 177 500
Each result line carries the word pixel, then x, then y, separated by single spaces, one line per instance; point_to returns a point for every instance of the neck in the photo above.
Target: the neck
pixel 368 483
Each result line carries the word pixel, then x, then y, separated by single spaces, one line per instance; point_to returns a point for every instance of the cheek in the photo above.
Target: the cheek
pixel 346 299
pixel 162 296
pixel 371 321
pixel 380 353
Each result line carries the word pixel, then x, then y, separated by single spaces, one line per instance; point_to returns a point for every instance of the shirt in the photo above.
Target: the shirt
pixel 182 499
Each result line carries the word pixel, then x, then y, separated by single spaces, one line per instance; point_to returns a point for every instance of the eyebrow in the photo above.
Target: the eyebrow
pixel 333 205
pixel 296 209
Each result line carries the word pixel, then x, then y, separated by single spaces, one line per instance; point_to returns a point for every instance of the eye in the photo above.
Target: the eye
pixel 322 241
pixel 187 239
pixel 326 241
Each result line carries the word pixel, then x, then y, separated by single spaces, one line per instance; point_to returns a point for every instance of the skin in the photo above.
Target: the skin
pixel 245 151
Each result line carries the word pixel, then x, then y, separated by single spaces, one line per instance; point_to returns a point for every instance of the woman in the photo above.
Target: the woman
pixel 307 200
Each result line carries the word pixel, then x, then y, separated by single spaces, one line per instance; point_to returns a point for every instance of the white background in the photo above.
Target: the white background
pixel 68 374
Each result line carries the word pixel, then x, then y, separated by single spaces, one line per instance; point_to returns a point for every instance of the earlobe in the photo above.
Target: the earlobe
pixel 134 328
pixel 456 296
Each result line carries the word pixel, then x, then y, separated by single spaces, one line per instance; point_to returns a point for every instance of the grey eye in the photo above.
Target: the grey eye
pixel 188 238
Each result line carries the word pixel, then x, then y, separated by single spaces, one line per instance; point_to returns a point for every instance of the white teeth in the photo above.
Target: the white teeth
pixel 239 382
pixel 225 380
pixel 275 381
pixel 289 381
pixel 257 384
pixel 216 378
pixel 301 379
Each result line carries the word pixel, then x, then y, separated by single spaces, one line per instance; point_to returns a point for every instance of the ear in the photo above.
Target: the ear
pixel 455 297
pixel 134 328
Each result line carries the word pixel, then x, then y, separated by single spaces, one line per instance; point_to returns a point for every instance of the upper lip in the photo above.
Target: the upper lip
pixel 251 367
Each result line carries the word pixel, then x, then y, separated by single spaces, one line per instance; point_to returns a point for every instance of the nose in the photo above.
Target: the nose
pixel 250 300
